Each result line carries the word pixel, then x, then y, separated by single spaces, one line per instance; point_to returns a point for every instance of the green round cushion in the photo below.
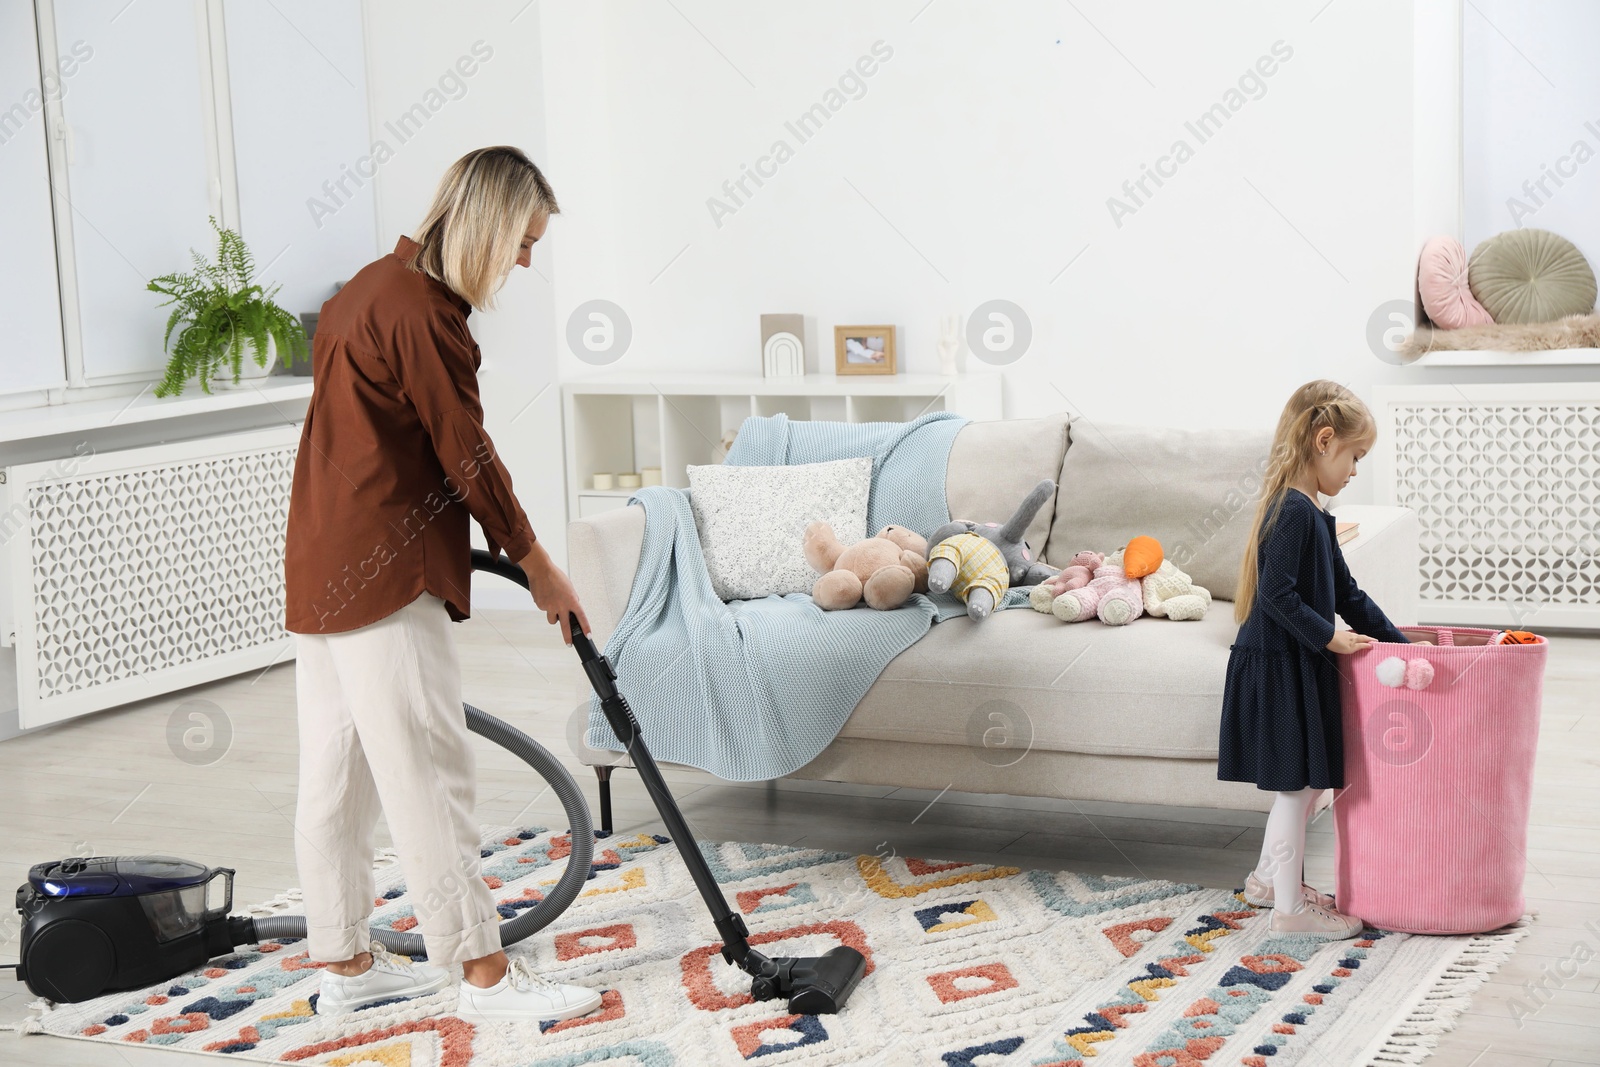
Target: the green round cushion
pixel 1530 276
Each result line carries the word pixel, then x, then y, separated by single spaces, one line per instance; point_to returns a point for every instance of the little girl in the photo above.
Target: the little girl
pixel 1280 705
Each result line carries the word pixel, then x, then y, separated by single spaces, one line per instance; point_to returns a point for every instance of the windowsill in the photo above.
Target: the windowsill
pixel 87 415
pixel 1472 357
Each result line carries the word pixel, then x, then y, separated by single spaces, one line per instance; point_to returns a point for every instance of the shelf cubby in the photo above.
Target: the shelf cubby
pixel 625 422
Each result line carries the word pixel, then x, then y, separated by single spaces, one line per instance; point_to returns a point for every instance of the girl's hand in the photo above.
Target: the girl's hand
pixel 1347 641
pixel 553 592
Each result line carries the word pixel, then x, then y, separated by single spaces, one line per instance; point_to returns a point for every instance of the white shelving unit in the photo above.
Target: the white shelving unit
pixel 619 423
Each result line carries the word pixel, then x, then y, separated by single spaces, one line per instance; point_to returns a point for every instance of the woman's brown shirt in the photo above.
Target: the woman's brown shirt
pixel 393 457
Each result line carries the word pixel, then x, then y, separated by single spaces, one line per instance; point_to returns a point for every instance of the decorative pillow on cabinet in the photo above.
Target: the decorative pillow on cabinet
pixel 1442 284
pixel 1531 276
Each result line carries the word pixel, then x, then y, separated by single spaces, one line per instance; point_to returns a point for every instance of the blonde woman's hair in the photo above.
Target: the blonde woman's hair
pixel 1314 406
pixel 472 233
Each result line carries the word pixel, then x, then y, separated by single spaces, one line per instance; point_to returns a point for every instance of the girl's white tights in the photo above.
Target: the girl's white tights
pixel 1283 849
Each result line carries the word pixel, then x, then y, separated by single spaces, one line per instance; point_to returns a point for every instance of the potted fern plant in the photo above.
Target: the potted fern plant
pixel 222 308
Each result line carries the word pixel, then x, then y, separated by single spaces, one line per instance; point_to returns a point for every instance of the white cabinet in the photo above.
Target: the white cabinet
pixel 621 423
pixel 141 546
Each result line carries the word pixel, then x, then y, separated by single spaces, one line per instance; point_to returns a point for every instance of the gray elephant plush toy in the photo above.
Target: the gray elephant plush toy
pixel 979 561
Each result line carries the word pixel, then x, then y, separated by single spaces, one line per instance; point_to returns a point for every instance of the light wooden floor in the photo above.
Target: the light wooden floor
pixel 111 784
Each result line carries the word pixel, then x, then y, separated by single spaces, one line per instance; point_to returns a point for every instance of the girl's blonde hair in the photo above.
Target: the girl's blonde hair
pixel 472 233
pixel 1313 406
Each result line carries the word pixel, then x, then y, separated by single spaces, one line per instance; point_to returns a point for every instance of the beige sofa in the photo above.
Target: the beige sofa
pixel 1026 705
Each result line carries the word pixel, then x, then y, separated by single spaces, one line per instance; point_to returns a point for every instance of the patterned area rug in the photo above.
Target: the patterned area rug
pixel 969 966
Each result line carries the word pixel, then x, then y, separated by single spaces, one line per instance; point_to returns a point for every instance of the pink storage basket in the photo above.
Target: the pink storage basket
pixel 1433 820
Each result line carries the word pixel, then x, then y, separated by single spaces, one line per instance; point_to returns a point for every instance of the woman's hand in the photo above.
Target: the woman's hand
pixel 552 591
pixel 1347 641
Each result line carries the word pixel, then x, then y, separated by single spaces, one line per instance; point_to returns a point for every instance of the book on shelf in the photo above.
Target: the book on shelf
pixel 1347 531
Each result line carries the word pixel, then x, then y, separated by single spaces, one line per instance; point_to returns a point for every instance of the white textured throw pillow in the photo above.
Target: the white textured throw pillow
pixel 752 521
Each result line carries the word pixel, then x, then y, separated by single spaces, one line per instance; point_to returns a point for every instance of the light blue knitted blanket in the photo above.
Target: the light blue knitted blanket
pixel 752 690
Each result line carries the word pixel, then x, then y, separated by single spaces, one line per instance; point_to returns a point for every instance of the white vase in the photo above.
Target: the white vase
pixel 250 373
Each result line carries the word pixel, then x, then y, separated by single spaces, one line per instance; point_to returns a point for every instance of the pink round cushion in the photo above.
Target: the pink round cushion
pixel 1442 284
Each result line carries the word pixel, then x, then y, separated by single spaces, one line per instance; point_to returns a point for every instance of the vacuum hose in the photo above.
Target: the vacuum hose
pixel 529 920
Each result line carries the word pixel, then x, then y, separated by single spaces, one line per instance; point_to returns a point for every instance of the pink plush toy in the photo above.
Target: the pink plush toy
pixel 1111 596
pixel 1075 575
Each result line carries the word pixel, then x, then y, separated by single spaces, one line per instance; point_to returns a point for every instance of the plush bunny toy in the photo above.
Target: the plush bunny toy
pixel 959 565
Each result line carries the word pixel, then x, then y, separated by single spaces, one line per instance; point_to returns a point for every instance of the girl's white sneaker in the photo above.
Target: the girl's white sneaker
pixel 525 995
pixel 1314 920
pixel 390 977
pixel 1260 893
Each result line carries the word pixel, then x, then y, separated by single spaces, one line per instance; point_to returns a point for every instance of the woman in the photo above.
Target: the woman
pixel 393 460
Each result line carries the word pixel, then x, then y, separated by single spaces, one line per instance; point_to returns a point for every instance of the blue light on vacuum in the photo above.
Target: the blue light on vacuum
pixel 55 889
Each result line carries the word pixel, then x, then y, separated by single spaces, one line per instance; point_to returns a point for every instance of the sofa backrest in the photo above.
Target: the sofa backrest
pixel 993 466
pixel 1195 491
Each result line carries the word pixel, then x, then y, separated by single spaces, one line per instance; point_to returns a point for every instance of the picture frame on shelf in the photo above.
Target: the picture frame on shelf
pixel 863 350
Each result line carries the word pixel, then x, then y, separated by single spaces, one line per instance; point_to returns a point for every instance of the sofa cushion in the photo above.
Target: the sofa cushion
pixel 1021 678
pixel 752 520
pixel 1195 491
pixel 994 465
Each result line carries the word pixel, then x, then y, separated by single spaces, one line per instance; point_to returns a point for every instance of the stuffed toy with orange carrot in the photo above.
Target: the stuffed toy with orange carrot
pixel 1128 583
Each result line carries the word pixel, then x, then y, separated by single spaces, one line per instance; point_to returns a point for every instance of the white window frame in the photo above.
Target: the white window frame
pixel 221 179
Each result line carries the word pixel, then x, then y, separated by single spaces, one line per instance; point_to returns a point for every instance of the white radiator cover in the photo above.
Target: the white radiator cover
pixel 1505 480
pixel 139 572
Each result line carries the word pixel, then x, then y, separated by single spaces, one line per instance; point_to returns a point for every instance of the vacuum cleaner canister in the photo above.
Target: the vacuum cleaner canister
pixel 108 923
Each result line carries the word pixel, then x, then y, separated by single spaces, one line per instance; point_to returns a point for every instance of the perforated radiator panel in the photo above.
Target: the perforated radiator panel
pixel 149 570
pixel 1507 491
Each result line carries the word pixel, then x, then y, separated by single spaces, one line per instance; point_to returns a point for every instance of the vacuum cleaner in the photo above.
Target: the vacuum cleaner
pixel 95 925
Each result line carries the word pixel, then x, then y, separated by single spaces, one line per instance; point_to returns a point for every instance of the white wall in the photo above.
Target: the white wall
pixel 976 165
pixel 991 141
pixel 411 45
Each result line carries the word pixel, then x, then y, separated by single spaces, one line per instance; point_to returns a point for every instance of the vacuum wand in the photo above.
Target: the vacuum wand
pixel 813 985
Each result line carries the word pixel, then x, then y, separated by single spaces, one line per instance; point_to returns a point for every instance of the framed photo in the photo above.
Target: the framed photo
pixel 863 350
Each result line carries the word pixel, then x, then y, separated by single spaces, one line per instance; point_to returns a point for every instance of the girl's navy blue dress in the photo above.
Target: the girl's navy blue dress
pixel 1281 725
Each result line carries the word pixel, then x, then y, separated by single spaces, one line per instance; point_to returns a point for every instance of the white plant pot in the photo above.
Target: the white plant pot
pixel 250 374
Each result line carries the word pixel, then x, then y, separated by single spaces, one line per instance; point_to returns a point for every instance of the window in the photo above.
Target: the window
pixel 1531 120
pixel 130 124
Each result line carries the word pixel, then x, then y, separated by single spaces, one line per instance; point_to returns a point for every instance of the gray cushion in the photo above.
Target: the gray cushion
pixel 1530 276
pixel 1195 491
pixel 993 466
pixel 1151 688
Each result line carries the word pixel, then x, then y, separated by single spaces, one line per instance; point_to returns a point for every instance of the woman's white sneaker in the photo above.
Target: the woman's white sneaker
pixel 525 995
pixel 388 978
pixel 1314 920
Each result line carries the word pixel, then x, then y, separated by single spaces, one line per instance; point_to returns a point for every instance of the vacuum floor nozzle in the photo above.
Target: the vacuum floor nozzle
pixel 813 985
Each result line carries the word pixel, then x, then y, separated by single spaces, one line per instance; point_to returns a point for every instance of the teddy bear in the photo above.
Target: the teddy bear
pixel 883 570
pixel 1111 596
pixel 1170 593
pixel 1074 575
pixel 979 561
